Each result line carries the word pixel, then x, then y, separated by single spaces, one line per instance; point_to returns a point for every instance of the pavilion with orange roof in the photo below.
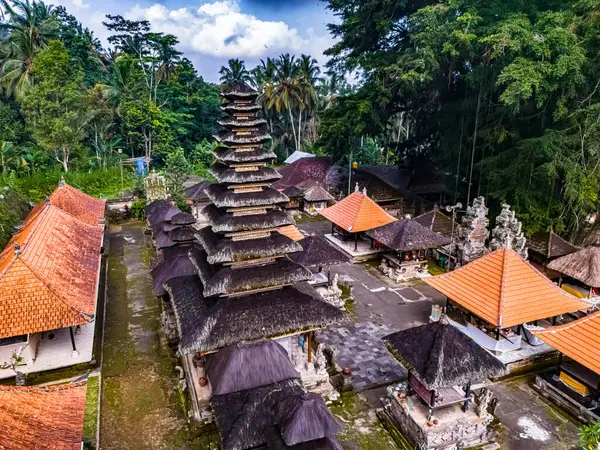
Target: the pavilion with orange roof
pixel 575 384
pixel 356 214
pixel 500 292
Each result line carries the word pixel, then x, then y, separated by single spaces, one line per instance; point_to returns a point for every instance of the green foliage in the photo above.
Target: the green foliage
pixel 138 209
pixel 177 169
pixel 55 106
pixel 590 436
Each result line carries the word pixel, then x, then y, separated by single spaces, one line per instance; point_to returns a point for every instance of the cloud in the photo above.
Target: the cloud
pixel 220 29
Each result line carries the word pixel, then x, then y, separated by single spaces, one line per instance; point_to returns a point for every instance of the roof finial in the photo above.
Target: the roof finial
pixel 365 191
pixel 356 188
pixel 17 249
pixel 61 183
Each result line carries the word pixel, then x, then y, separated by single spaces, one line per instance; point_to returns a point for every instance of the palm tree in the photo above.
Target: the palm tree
pixel 235 72
pixel 309 71
pixel 30 25
pixel 125 78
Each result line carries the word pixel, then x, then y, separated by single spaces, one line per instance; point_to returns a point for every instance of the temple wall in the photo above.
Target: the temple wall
pixel 561 399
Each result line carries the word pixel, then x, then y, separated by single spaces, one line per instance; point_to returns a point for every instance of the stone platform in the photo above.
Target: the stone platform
pixel 363 251
pixel 359 347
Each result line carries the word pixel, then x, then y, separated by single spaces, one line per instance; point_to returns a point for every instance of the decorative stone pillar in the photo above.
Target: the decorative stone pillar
pixel 507 232
pixel 472 233
pixel 156 187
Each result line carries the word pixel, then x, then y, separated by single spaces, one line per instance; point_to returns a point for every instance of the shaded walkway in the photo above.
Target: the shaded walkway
pixel 141 405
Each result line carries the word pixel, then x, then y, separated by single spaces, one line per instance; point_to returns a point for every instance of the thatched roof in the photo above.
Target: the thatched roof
pixel 196 192
pixel 293 192
pixel 155 208
pixel 226 174
pixel 276 442
pixel 162 240
pixel 161 212
pixel 229 155
pixel 231 122
pixel 318 252
pixel 304 418
pixel 231 138
pixel 222 222
pixel 550 245
pixel 304 169
pixel 232 281
pixel 183 218
pixel 239 89
pixel 248 365
pixel 437 222
pixel 245 418
pixel 318 193
pixel 583 265
pixel 175 263
pixel 207 324
pixel 237 108
pixel 223 250
pixel 223 197
pixel 407 234
pixel 184 233
pixel 440 355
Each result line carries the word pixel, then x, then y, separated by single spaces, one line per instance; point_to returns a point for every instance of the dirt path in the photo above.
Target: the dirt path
pixel 141 405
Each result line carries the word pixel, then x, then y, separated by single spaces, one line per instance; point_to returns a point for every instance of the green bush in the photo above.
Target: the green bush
pixel 137 209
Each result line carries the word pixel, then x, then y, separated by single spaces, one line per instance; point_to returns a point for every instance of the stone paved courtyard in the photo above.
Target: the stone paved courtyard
pixel 361 350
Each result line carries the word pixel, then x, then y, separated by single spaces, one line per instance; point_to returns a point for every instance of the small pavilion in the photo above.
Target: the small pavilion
pixel 496 295
pixel 316 199
pixel 546 246
pixel 438 222
pixel 443 363
pixel 409 242
pixel 575 383
pixel 583 266
pixel 354 215
pixel 198 200
pixel 295 194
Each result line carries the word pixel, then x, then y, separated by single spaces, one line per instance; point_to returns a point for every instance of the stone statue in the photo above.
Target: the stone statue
pixel 472 233
pixel 156 187
pixel 507 232
pixel 482 403
pixel 320 360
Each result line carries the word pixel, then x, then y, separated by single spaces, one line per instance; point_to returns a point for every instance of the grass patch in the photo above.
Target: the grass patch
pixel 434 268
pixel 90 421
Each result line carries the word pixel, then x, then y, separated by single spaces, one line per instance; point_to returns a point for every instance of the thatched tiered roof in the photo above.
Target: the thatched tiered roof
pixel 440 355
pixel 293 192
pixel 222 222
pixel 223 197
pixel 239 90
pixel 207 324
pixel 251 137
pixel 258 399
pixel 241 108
pixel 248 365
pixel 196 192
pixel 583 265
pixel 231 122
pixel 159 211
pixel 226 250
pixel 318 252
pixel 318 193
pixel 230 156
pixel 175 263
pixel 405 235
pixel 183 218
pixel 226 174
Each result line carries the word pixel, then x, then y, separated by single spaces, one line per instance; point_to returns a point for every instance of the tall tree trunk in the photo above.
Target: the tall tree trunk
pixel 293 127
pixel 65 159
pixel 299 144
pixel 474 142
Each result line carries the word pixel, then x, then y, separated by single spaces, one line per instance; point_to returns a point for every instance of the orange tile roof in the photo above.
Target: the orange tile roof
pixel 51 281
pixel 292 232
pixel 78 204
pixel 357 213
pixel 579 340
pixel 42 417
pixel 505 290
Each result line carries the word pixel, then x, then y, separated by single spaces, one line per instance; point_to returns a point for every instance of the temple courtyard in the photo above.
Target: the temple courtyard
pixel 140 379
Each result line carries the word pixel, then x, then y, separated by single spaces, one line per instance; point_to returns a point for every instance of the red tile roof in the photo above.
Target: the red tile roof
pixel 78 204
pixel 357 213
pixel 579 340
pixel 49 273
pixel 48 418
pixel 505 290
pixel 292 232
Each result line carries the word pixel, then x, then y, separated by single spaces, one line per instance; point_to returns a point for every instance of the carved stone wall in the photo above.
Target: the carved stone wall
pixel 472 233
pixel 156 187
pixel 507 233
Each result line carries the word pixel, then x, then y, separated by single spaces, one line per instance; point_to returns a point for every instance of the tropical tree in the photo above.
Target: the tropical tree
pixel 29 27
pixel 590 436
pixel 234 72
pixel 308 71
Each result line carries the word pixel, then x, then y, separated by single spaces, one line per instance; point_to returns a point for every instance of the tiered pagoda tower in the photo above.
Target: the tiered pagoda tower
pixel 245 253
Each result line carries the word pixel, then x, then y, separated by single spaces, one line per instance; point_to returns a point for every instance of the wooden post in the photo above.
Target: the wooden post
pixel 355 241
pixel 497 333
pixel 591 292
pixel 72 338
pixel 309 338
pixel 332 229
pixel 560 281
pixel 431 405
